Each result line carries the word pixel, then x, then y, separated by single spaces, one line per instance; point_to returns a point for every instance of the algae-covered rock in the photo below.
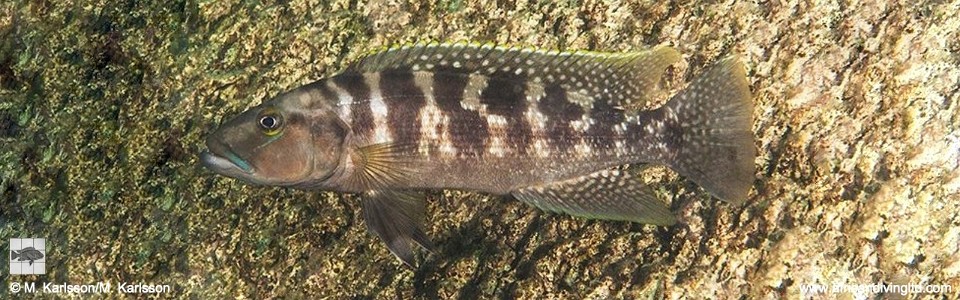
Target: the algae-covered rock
pixel 104 105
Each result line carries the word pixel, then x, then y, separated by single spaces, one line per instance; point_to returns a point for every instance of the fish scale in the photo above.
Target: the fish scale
pixel 556 130
pixel 469 110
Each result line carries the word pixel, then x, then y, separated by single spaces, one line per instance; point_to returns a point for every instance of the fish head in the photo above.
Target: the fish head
pixel 281 143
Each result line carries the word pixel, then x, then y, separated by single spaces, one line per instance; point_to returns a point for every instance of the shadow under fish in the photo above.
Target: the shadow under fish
pixel 554 129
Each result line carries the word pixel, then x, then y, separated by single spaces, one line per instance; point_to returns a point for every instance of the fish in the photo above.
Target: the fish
pixel 29 253
pixel 563 131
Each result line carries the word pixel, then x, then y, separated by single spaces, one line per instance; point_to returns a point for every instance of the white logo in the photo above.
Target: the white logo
pixel 28 256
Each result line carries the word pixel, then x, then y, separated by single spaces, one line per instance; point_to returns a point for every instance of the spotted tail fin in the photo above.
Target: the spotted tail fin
pixel 713 120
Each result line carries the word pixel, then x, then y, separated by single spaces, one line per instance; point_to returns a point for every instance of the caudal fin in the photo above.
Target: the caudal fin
pixel 715 143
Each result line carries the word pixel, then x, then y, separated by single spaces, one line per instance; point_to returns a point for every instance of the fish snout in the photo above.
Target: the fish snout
pixel 221 159
pixel 215 144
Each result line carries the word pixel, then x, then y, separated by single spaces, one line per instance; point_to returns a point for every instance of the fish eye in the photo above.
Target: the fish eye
pixel 270 122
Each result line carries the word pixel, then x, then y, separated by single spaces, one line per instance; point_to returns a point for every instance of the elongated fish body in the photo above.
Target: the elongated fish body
pixel 553 129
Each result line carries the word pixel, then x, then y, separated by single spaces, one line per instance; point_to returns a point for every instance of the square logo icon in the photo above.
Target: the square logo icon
pixel 28 256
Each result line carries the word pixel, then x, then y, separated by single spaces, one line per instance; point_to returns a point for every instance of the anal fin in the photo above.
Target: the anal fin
pixel 397 218
pixel 612 194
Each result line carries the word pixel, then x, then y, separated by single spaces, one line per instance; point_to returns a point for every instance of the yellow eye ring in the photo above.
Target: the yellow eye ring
pixel 270 122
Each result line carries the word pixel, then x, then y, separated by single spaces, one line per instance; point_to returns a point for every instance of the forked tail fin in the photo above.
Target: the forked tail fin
pixel 714 119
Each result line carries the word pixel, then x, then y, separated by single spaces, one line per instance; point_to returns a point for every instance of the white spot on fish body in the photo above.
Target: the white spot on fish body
pixel 433 123
pixel 381 134
pixel 621 128
pixel 447 149
pixel 344 102
pixel 496 146
pixel 583 149
pixel 496 120
pixel 649 128
pixel 620 147
pixel 430 118
pixel 537 120
pixel 541 148
pixel 476 83
pixel 579 125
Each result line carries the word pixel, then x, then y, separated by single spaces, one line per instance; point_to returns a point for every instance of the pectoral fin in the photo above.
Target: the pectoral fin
pixel 397 218
pixel 379 166
pixel 613 194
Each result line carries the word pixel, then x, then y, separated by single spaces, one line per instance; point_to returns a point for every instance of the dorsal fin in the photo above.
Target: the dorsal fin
pixel 622 77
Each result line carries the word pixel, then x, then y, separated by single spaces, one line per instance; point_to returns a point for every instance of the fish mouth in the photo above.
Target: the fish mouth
pixel 229 165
